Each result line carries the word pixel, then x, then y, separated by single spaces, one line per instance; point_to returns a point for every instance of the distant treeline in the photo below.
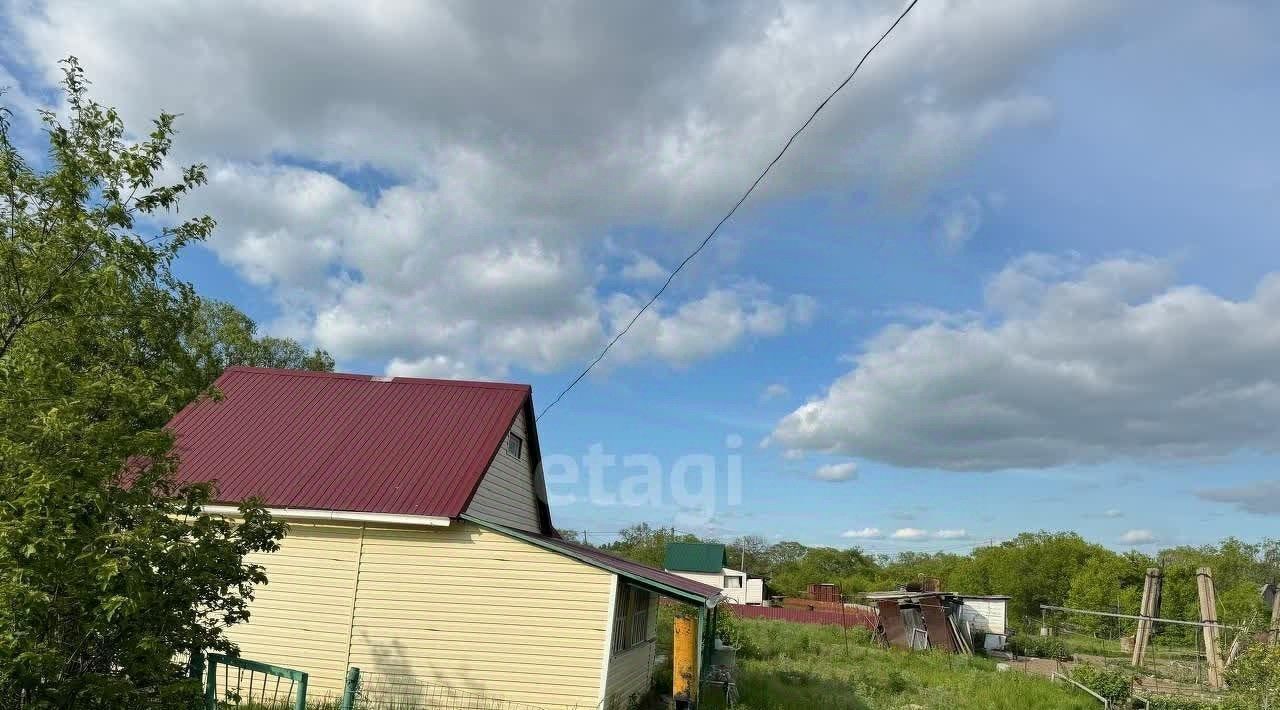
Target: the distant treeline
pixel 1061 569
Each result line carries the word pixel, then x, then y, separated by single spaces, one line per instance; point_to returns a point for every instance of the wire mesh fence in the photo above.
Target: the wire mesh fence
pixel 378 691
pixel 1174 661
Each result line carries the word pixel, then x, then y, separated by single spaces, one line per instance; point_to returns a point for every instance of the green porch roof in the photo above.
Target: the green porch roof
pixel 695 557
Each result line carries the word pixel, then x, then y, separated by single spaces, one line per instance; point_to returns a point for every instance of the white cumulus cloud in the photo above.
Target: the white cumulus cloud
pixel 1068 363
pixel 910 534
pixel 837 472
pixel 1138 537
pixel 432 188
pixel 863 534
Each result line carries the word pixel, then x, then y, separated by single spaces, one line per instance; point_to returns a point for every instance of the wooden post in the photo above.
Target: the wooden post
pixel 1210 630
pixel 1150 607
pixel 1138 649
pixel 1275 615
pixel 684 651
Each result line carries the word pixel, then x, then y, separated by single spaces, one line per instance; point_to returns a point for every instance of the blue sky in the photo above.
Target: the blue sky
pixel 1016 277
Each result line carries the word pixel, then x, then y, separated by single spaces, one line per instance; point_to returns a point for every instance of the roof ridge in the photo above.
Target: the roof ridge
pixel 382 379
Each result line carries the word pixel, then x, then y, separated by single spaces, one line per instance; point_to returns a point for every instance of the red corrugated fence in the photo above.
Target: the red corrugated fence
pixel 849 618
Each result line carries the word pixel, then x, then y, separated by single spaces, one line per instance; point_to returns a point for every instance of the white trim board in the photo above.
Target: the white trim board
pixel 608 639
pixel 338 516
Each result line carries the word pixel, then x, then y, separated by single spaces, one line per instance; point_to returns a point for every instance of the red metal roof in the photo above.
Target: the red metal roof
pixel 329 441
pixel 635 569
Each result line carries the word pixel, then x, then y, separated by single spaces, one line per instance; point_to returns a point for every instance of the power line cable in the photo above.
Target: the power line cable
pixel 730 213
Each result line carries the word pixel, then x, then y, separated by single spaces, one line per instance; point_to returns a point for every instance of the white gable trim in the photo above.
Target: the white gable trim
pixel 338 516
pixel 607 658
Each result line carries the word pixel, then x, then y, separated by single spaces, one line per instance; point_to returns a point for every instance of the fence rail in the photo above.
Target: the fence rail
pixel 1106 704
pixel 265 685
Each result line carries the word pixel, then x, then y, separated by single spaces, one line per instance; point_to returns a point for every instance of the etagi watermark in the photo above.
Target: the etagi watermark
pixel 696 483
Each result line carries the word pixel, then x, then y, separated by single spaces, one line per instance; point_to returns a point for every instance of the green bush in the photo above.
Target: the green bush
pixel 1113 685
pixel 1254 678
pixel 1038 646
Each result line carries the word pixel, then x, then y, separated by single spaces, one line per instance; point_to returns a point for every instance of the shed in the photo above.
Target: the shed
pixel 986 613
pixel 708 563
pixel 421 548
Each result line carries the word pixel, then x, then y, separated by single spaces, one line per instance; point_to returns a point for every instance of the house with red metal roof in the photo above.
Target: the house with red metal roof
pixel 421 548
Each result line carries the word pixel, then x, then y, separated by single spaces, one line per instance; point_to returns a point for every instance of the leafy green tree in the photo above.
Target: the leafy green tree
pixel 908 567
pixel 1111 583
pixel 1033 568
pixel 783 553
pixel 222 336
pixel 750 553
pixel 108 570
pixel 850 568
pixel 646 544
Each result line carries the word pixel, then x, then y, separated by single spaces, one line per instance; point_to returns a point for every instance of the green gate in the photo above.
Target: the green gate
pixel 239 683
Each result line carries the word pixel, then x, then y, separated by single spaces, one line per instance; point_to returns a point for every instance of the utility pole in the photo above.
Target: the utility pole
pixel 1150 607
pixel 1209 615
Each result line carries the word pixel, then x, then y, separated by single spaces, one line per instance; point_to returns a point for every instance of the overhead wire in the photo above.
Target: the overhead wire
pixel 714 230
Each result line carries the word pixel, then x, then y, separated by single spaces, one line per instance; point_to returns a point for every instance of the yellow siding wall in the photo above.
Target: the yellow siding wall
pixel 460 606
pixel 301 616
pixel 631 671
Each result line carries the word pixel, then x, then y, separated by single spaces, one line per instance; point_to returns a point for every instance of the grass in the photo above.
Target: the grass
pixel 785 666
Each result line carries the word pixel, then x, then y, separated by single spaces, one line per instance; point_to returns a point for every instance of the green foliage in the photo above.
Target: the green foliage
pixel 108 571
pixel 852 570
pixel 1108 582
pixel 646 544
pixel 221 336
pixel 1254 678
pixel 730 630
pixel 1111 684
pixel 1033 568
pixel 1038 646
pixel 1238 569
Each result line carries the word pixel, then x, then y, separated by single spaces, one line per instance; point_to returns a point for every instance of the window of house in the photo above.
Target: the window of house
pixel 514 445
pixel 631 618
pixel 732 581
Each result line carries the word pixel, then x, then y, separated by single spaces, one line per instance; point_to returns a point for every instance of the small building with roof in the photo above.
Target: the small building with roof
pixel 708 563
pixel 421 548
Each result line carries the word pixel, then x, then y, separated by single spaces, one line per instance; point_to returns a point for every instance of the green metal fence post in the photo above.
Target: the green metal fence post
pixel 301 703
pixel 351 688
pixel 211 682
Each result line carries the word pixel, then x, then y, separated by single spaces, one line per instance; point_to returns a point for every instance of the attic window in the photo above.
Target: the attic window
pixel 514 445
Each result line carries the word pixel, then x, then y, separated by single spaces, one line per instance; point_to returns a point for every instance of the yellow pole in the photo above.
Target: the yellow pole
pixel 684 649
